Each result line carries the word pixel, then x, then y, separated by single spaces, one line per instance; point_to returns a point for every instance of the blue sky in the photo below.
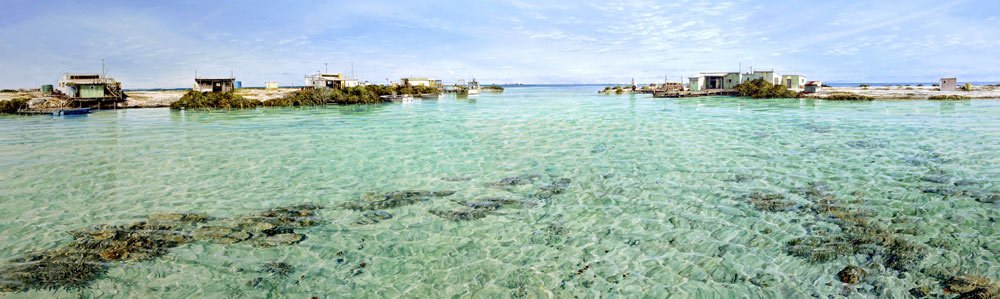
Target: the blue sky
pixel 162 43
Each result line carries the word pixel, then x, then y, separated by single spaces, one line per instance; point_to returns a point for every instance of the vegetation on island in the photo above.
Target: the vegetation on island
pixel 847 96
pixel 615 90
pixel 953 97
pixel 213 100
pixel 761 89
pixel 370 94
pixel 494 88
pixel 11 106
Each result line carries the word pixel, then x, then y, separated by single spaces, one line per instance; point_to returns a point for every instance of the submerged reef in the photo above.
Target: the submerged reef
pixel 861 233
pixel 851 274
pixel 378 201
pixel 477 209
pixel 372 217
pixel 93 250
pixel 770 202
pixel 972 287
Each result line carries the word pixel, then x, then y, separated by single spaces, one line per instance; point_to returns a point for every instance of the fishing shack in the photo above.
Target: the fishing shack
pixel 91 89
pixel 330 81
pixel 214 85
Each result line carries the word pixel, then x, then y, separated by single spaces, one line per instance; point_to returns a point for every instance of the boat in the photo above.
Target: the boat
pixel 430 95
pixel 56 111
pixel 473 88
pixel 397 98
pixel 77 111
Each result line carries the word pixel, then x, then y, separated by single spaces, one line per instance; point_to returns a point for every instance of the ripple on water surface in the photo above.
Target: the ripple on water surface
pixel 539 191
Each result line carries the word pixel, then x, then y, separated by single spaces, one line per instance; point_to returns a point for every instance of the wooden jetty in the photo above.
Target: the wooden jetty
pixel 694 93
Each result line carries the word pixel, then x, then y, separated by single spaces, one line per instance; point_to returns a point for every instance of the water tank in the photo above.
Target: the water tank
pixel 239 84
pixel 47 89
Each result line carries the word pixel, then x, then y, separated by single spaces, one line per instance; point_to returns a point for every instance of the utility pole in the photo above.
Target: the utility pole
pixel 325 68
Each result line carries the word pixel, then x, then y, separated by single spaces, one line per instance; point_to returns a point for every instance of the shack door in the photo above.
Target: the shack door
pixel 217 87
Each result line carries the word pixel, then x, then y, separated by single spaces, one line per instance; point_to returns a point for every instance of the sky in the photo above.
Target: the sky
pixel 163 44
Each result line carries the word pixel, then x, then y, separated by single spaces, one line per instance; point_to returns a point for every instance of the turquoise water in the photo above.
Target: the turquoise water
pixel 655 203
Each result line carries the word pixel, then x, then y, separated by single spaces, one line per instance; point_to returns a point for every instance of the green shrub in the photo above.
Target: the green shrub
pixel 370 94
pixel 967 86
pixel 846 96
pixel 307 97
pixel 213 100
pixel 761 89
pixel 953 97
pixel 493 88
pixel 11 106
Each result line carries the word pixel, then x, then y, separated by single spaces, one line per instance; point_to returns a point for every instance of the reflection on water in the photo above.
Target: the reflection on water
pixel 538 191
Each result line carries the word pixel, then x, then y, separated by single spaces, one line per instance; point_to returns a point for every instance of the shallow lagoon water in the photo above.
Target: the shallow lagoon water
pixel 655 205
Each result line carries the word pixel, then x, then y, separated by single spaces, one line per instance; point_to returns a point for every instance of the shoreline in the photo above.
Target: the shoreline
pixel 908 92
pixel 163 98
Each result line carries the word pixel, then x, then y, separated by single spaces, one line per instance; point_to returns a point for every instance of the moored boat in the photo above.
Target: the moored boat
pixel 397 98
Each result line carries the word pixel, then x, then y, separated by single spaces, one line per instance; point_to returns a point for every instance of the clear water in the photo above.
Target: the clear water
pixel 654 208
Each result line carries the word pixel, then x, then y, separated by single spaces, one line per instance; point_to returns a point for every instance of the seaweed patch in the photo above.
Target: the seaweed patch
pixel 87 258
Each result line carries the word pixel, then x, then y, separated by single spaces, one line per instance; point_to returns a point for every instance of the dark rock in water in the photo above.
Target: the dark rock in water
pixel 256 282
pixel 220 234
pixel 851 274
pixel 378 201
pixel 769 202
pixel 461 214
pixel 867 143
pixel 518 180
pixel 182 217
pixel 457 178
pixel 556 187
pixel 87 257
pixel 509 202
pixel 378 215
pixel 819 249
pixel 51 270
pixel 763 280
pixel 966 182
pixel 944 191
pixel 936 178
pixel 981 293
pixel 372 217
pixel 280 239
pixel 486 205
pixel 920 292
pixel 972 286
pixel 137 241
pixel 984 197
pixel 280 269
pixel 739 178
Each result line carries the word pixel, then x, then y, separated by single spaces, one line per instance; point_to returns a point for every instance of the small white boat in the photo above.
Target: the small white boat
pixel 473 88
pixel 398 98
